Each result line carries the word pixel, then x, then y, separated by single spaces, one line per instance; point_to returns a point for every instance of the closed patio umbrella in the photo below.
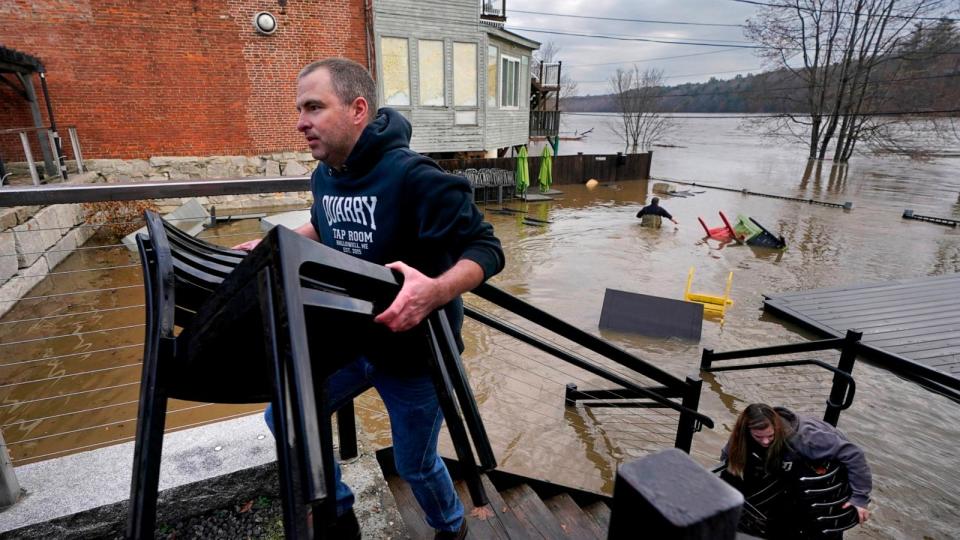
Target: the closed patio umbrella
pixel 523 172
pixel 546 169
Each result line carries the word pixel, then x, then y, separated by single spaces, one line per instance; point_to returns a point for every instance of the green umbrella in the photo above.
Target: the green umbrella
pixel 546 169
pixel 523 172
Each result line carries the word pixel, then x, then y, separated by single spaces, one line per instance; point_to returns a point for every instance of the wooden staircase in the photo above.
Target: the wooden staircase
pixel 523 508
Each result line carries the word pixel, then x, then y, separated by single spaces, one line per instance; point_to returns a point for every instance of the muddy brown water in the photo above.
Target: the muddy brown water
pixel 79 390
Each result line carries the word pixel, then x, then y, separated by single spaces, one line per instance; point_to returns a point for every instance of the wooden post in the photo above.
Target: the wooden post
pixel 9 486
pixel 668 495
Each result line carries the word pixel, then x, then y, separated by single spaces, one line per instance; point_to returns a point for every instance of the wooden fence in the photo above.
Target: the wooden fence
pixel 568 169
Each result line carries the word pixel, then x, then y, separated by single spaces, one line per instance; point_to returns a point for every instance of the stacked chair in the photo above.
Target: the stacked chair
pixel 271 326
pixel 489 184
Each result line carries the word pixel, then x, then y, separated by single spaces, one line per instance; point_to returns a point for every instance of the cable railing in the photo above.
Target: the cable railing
pixel 56 399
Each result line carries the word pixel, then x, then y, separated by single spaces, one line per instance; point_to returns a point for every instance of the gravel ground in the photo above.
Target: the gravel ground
pixel 258 519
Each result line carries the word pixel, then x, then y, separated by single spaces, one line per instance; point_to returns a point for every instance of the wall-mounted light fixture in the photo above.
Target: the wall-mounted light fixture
pixel 265 23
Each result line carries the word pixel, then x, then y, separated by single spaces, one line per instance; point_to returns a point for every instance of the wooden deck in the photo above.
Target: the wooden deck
pixel 910 326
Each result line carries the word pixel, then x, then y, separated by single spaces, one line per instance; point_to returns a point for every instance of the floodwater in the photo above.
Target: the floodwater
pixel 593 242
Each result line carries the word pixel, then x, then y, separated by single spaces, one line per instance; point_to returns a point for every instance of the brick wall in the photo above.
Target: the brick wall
pixel 172 77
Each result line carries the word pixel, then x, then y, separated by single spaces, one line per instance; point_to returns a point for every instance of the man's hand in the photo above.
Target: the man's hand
pixel 418 297
pixel 248 245
pixel 674 221
pixel 862 513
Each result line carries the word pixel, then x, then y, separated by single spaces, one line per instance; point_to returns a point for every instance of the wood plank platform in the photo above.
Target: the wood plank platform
pixel 910 326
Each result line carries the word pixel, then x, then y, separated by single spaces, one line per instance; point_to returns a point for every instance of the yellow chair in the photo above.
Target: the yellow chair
pixel 711 304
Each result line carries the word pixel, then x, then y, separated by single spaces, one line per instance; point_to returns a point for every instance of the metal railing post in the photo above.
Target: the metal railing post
pixel 9 486
pixel 347 431
pixel 848 355
pixel 686 426
pixel 55 145
pixel 29 153
pixel 75 143
pixel 706 359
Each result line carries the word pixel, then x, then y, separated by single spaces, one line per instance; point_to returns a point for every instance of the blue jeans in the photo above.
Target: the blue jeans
pixel 415 420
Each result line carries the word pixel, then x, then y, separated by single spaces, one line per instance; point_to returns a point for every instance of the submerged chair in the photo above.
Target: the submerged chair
pixel 712 304
pixel 244 340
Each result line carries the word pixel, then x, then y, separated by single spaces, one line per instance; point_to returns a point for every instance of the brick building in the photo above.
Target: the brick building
pixel 172 77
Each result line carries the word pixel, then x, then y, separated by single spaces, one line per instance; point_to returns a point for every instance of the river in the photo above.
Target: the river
pixel 593 242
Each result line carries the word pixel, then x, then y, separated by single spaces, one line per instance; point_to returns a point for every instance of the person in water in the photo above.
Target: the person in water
pixel 770 449
pixel 651 215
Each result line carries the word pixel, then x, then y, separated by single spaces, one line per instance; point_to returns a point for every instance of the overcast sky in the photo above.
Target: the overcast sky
pixel 590 61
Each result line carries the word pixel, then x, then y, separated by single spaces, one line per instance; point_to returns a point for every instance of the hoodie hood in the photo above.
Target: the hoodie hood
pixel 789 417
pixel 388 131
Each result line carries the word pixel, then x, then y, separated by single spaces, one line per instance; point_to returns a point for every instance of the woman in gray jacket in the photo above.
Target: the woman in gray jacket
pixel 789 464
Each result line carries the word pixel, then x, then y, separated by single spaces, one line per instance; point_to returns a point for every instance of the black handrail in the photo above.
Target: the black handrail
pixel 519 307
pixel 585 364
pixel 773 350
pixel 851 384
pixel 843 387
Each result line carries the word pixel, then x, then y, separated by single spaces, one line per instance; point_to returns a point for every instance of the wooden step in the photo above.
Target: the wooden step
pixel 600 513
pixel 480 529
pixel 410 511
pixel 573 520
pixel 507 516
pixel 534 516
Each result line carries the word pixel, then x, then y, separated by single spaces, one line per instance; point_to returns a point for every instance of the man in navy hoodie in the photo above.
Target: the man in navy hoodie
pixel 376 199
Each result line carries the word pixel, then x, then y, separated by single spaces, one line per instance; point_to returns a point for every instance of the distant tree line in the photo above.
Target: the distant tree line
pixel 844 72
pixel 918 74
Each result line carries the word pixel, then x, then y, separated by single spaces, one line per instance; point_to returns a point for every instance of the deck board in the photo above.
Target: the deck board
pixel 910 326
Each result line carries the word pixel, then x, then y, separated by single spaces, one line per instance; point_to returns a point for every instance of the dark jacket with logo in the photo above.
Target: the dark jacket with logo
pixel 388 203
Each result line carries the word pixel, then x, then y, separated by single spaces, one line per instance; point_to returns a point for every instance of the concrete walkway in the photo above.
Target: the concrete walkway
pixel 214 466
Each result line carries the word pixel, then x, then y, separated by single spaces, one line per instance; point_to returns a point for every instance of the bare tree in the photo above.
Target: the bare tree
pixel 836 48
pixel 637 96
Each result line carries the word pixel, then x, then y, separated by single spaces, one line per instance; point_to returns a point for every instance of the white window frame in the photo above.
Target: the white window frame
pixel 523 83
pixel 503 86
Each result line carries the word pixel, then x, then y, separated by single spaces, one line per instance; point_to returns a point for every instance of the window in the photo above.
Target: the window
pixel 492 76
pixel 464 74
pixel 509 82
pixel 431 73
pixel 396 71
pixel 523 84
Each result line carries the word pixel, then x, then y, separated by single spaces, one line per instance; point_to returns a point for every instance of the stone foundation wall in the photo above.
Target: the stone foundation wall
pixel 33 241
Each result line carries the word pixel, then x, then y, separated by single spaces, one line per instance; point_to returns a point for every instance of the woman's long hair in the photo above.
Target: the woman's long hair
pixel 755 416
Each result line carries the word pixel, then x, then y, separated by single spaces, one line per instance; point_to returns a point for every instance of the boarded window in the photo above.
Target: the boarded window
pixel 465 74
pixel 465 117
pixel 431 73
pixel 509 81
pixel 492 76
pixel 396 71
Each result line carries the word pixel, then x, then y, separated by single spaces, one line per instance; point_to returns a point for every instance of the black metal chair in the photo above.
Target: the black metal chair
pixel 231 305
